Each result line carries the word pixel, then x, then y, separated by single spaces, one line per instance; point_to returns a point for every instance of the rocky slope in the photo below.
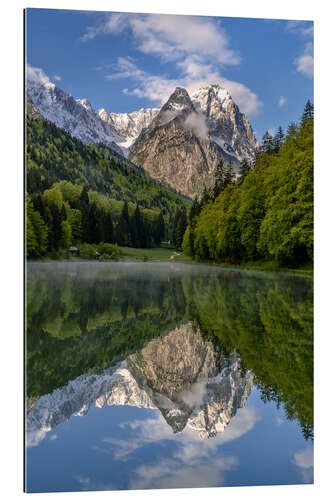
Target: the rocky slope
pixel 188 137
pixel 129 125
pixel 176 374
pixel 227 126
pixel 179 145
pixel 31 110
pixel 76 116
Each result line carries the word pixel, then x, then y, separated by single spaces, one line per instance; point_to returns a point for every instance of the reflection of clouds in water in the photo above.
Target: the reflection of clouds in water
pixel 304 460
pixel 193 463
pixel 194 396
pixel 170 473
pixel 279 420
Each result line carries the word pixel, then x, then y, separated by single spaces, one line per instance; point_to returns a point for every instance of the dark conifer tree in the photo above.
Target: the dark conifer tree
pixel 159 229
pixel 137 232
pixel 219 180
pixel 267 143
pixel 108 228
pixel 84 207
pixel 308 111
pixel 180 229
pixel 228 179
pixel 278 140
pixel 244 170
pixel 174 227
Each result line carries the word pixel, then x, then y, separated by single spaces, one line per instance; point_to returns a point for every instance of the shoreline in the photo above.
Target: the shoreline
pixel 264 267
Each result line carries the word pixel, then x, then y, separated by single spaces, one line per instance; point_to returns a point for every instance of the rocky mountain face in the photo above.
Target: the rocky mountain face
pixel 180 374
pixel 129 125
pixel 176 374
pixel 188 137
pixel 76 116
pixel 227 126
pixel 179 144
pixel 31 110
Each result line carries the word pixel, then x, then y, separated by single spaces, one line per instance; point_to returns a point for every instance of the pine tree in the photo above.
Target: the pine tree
pixel 108 228
pixel 291 131
pixel 278 140
pixel 219 179
pixel 267 143
pixel 124 225
pixel 137 235
pixel 180 229
pixel 159 229
pixel 205 197
pixel 228 178
pixel 194 210
pixel 174 227
pixel 84 208
pixel 244 170
pixel 308 111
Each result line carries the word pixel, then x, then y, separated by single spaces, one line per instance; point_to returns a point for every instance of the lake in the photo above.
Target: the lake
pixel 167 375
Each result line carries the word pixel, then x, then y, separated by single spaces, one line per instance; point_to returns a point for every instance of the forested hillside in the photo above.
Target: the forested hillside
pixel 265 214
pixel 79 193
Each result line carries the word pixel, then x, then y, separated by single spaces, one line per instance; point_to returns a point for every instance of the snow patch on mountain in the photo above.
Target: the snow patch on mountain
pixel 76 116
pixel 128 125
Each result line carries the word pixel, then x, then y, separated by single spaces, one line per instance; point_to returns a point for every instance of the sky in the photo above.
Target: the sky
pixel 124 62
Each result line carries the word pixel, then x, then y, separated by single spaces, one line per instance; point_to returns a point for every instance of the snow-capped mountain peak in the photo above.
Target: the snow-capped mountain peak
pixel 76 116
pixel 86 104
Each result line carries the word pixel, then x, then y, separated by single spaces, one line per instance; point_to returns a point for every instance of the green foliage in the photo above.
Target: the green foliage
pixel 90 194
pixel 55 156
pixel 109 251
pixel 268 213
pixel 85 321
pixel 36 232
pixel 66 234
pixel 270 325
pixel 179 228
pixel 88 251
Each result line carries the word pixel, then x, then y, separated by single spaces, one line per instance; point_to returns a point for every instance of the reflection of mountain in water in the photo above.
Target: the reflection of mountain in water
pixel 176 374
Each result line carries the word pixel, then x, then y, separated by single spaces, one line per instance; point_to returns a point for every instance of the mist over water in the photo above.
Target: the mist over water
pixel 156 374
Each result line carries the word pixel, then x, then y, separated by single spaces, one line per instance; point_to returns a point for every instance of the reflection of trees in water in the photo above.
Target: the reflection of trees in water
pixel 83 323
pixel 269 323
pixel 77 325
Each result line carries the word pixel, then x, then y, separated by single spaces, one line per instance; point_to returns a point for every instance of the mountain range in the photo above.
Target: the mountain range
pixel 179 144
pixel 176 374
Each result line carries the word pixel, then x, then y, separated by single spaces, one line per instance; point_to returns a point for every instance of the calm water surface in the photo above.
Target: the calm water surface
pixel 167 375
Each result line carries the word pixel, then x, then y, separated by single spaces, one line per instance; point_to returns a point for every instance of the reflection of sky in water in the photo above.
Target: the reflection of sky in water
pixel 123 447
pixel 178 411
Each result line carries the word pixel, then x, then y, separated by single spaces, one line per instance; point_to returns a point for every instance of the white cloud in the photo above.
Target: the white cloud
pixel 282 101
pixel 187 41
pixel 195 462
pixel 36 75
pixel 191 447
pixel 194 74
pixel 197 123
pixel 303 28
pixel 304 460
pixel 304 63
pixel 169 473
pixel 57 78
pixel 170 37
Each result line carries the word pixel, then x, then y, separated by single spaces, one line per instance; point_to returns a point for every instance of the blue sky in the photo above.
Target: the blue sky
pixel 123 62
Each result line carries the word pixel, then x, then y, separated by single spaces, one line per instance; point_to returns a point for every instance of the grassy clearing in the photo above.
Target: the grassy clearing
pixel 160 253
